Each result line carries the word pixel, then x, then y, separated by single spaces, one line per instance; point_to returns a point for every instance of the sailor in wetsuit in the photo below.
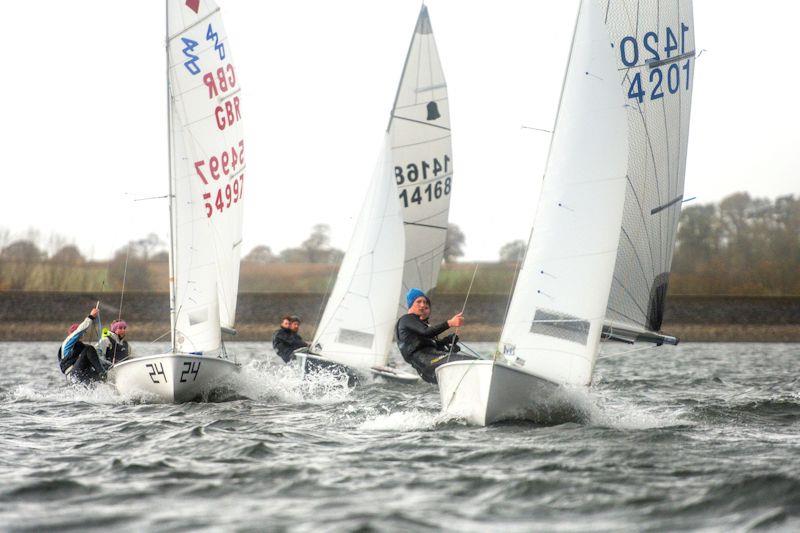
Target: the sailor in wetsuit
pixel 79 361
pixel 113 347
pixel 418 341
pixel 286 340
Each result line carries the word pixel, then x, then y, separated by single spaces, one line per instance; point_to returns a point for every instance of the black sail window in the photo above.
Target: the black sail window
pixel 562 326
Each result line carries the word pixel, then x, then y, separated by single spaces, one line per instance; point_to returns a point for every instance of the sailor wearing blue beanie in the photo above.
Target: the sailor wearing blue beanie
pixel 419 341
pixel 412 295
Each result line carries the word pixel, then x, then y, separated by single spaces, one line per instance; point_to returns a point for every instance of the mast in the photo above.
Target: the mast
pixel 423 11
pixel 172 235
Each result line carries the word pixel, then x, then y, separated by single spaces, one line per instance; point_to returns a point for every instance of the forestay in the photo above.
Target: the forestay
pixel 419 131
pixel 206 174
pixel 357 325
pixel 556 314
pixel 653 43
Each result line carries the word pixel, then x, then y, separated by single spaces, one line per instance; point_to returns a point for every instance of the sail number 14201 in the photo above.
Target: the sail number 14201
pixel 669 63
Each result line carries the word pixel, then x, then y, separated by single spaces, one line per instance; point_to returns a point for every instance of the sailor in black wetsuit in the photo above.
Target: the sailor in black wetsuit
pixel 79 361
pixel 418 341
pixel 286 340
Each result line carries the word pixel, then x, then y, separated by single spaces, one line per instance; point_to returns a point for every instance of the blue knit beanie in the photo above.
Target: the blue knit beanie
pixel 412 295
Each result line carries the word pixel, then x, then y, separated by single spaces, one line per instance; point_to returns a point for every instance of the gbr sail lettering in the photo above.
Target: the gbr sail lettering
pixel 672 72
pixel 218 82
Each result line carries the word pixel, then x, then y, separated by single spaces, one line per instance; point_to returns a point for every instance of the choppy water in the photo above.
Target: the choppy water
pixel 701 436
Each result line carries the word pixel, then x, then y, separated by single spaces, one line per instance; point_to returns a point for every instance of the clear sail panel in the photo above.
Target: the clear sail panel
pixel 653 41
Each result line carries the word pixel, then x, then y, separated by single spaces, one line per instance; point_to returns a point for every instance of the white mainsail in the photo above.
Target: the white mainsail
pixel 654 48
pixel 556 314
pixel 422 157
pixel 206 175
pixel 357 325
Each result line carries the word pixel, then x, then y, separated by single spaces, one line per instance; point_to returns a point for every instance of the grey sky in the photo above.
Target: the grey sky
pixel 85 123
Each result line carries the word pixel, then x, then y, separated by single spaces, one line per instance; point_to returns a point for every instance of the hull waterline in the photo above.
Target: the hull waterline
pixel 486 392
pixel 172 378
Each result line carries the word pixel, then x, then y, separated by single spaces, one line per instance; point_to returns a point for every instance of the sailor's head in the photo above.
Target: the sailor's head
pixel 294 323
pixel 418 303
pixel 286 321
pixel 119 328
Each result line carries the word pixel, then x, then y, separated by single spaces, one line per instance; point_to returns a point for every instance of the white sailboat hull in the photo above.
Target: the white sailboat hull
pixel 171 378
pixel 309 362
pixel 486 392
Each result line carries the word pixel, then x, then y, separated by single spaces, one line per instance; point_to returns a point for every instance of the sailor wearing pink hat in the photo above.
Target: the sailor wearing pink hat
pixel 114 347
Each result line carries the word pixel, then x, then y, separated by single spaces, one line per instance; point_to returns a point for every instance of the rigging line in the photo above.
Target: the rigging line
pixel 474 352
pixel 424 225
pixel 655 170
pixel 434 215
pixel 636 253
pixel 160 337
pixel 535 129
pixel 627 352
pixel 151 198
pixel 520 257
pixel 419 122
pixel 463 307
pixel 121 298
pixel 419 55
pixel 410 184
pixel 426 141
pixel 644 223
pixel 663 243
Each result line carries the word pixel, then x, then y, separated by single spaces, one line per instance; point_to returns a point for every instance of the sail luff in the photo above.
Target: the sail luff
pixel 172 233
pixel 552 136
pixel 555 317
pixel 357 325
pixel 422 12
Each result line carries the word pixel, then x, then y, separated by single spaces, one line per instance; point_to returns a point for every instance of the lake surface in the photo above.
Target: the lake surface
pixel 698 436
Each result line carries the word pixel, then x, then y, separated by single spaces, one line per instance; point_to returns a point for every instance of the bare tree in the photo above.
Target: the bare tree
pixel 260 254
pixel 513 251
pixel 453 246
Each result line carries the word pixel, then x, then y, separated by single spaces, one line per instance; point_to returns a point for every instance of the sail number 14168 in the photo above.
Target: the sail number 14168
pixel 437 175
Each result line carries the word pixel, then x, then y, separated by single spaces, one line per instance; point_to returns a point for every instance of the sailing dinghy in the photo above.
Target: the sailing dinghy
pixel 396 246
pixel 600 250
pixel 206 168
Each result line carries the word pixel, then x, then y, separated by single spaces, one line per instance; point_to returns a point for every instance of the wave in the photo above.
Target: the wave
pixel 621 413
pixel 260 380
pixel 96 393
pixel 413 420
pixel 779 409
pixel 750 493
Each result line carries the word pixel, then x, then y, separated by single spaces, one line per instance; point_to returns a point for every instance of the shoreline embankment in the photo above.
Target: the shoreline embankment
pixel 45 316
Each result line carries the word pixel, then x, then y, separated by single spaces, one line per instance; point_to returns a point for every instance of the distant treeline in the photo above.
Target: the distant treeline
pixel 740 246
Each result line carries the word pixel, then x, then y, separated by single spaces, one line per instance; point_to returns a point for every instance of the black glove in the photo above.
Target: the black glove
pixel 448 343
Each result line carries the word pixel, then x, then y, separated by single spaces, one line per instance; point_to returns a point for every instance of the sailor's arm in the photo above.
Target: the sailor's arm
pixel 72 338
pixel 413 324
